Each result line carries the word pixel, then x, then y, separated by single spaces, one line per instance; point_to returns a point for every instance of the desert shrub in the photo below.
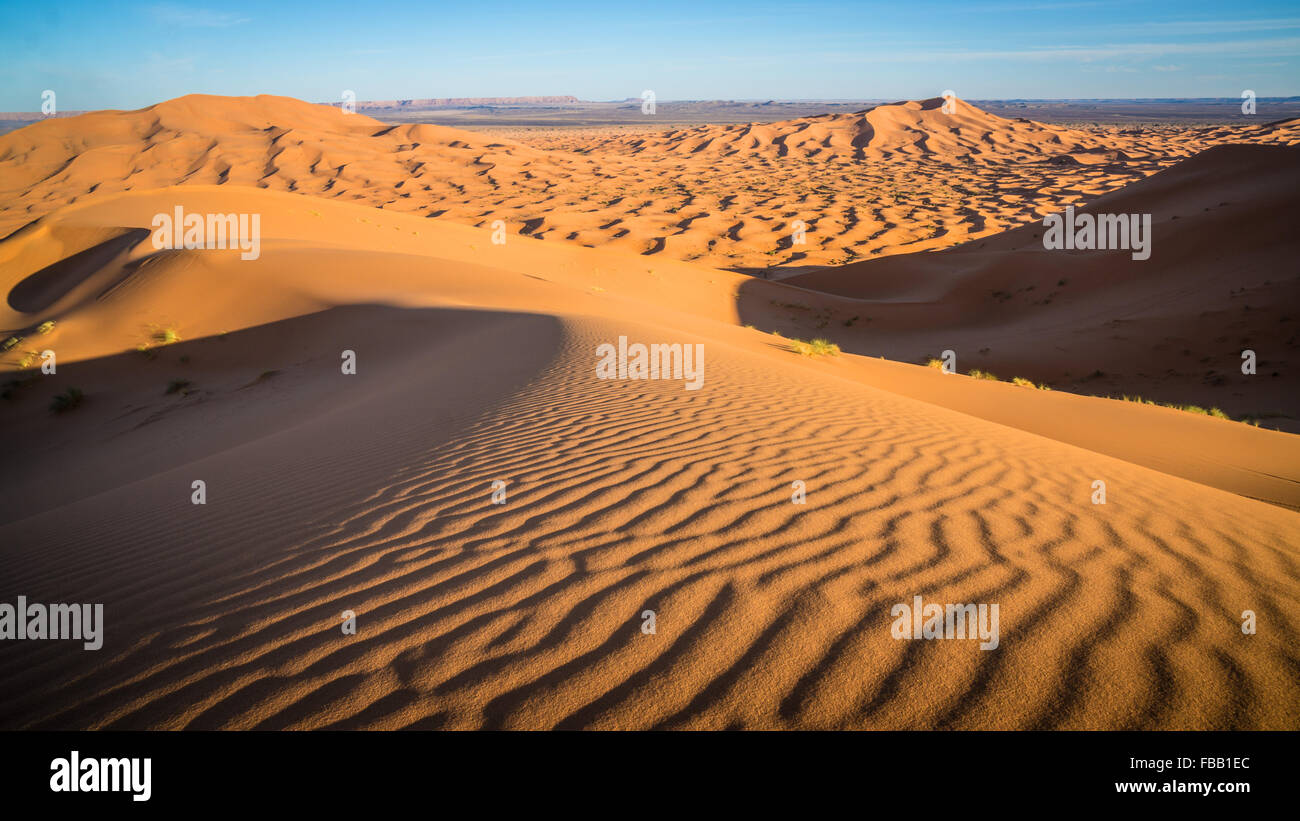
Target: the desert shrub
pixel 1029 383
pixel 67 400
pixel 1214 412
pixel 816 347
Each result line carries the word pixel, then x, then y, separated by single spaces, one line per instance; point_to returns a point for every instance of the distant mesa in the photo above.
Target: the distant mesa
pixel 460 102
pixel 33 116
pixel 363 105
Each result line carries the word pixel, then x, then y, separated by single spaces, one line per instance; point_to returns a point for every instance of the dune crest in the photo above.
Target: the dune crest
pixel 906 129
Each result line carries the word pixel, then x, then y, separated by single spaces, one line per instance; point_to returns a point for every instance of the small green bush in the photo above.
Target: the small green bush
pixel 67 400
pixel 816 347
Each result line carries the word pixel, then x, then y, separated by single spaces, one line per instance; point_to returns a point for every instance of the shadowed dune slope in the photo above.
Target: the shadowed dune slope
pixel 371 493
pixel 1221 279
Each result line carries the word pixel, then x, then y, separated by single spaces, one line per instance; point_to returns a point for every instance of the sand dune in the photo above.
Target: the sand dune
pixel 913 128
pixel 372 493
pixel 896 178
pixel 1220 279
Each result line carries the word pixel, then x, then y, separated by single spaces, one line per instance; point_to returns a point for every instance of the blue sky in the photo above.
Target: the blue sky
pixel 127 55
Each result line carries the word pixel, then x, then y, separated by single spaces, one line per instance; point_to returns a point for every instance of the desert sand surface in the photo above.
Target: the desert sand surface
pixel 897 178
pixel 1169 328
pixel 372 492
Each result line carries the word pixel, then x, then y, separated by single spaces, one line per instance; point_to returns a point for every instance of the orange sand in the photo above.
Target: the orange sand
pixel 372 492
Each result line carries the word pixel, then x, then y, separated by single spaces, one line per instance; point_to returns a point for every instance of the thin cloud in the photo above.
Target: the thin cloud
pixel 185 17
pixel 532 54
pixel 1082 4
pixel 1204 26
pixel 1274 47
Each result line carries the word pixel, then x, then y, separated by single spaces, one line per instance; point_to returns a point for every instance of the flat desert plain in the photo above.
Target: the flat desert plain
pixel 393 410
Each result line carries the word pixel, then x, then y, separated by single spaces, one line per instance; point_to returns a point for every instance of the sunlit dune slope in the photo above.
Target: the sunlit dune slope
pixel 372 493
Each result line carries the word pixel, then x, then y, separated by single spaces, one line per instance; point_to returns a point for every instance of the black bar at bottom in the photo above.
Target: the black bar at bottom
pixel 612 772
